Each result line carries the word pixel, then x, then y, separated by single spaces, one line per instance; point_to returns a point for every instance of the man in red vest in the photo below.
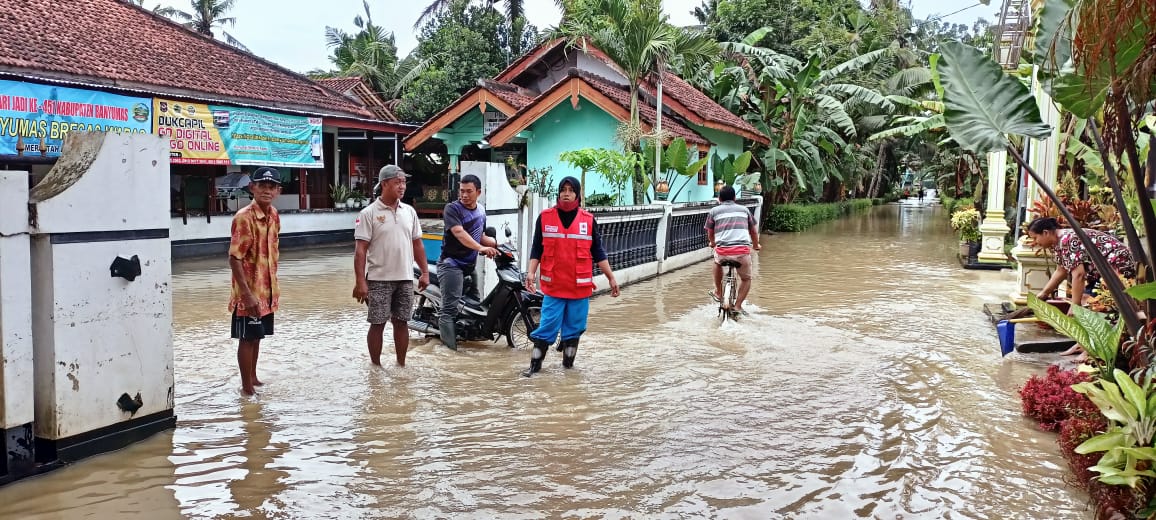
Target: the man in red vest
pixel 566 247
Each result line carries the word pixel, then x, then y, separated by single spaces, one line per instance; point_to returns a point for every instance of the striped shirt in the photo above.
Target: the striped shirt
pixel 731 224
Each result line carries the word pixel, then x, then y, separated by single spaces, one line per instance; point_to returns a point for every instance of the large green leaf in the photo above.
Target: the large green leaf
pixel 1054 34
pixel 1100 334
pixel 1145 291
pixel 1103 442
pixel 1137 397
pixel 1078 95
pixel 1060 321
pixel 982 104
pixel 742 162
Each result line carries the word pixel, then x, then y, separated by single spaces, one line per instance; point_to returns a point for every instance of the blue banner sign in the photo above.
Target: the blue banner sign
pixel 35 118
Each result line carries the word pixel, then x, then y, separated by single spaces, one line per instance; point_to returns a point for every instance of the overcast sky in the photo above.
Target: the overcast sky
pixel 292 32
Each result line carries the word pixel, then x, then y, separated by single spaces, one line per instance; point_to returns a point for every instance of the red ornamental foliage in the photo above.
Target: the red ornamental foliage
pixel 1073 432
pixel 1050 399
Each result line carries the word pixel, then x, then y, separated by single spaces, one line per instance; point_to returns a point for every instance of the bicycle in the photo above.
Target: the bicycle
pixel 729 296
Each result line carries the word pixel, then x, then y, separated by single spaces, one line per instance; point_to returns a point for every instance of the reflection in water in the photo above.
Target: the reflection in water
pixel 866 384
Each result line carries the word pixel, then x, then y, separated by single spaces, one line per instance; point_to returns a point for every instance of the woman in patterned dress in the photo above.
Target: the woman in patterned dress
pixel 1072 257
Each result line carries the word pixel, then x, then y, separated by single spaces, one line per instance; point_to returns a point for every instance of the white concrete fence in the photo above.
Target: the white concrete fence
pixel 642 242
pixel 85 303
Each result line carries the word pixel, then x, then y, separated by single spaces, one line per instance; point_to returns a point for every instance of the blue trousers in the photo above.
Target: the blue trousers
pixel 561 315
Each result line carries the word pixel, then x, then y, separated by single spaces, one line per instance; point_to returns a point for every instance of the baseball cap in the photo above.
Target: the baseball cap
pixel 391 171
pixel 266 174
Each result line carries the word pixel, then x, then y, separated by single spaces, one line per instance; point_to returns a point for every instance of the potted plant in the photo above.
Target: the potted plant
pixel 340 194
pixel 966 223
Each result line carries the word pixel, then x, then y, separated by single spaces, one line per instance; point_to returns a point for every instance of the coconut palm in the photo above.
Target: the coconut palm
pixel 203 15
pixel 638 38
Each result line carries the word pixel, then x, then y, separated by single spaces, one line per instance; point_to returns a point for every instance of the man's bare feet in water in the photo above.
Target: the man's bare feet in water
pixel 248 392
pixel 258 383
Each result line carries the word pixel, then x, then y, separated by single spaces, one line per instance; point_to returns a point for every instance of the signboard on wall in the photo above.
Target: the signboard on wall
pixel 214 134
pixel 35 118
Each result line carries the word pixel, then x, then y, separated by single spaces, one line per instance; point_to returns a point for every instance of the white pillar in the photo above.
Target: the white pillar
pixel 994 228
pixel 1033 267
pixel 16 360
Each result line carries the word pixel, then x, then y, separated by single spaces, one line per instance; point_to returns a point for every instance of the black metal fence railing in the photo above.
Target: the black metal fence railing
pixel 629 242
pixel 685 233
pixel 629 234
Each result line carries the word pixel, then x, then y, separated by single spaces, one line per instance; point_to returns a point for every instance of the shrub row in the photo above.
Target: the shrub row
pixel 798 217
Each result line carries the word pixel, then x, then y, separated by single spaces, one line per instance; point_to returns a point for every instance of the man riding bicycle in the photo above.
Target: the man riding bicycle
pixel 731 231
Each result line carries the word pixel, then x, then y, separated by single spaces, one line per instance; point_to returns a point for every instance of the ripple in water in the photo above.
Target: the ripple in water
pixel 866 384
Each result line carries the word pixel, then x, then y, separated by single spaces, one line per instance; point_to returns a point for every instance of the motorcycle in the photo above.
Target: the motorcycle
pixel 509 310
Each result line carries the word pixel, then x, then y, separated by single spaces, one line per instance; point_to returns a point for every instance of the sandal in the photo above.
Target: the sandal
pixel 714 296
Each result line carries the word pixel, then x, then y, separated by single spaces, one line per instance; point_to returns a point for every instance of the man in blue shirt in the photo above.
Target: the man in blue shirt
pixel 465 221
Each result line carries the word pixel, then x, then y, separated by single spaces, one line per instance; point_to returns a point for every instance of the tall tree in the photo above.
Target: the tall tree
pixel 370 53
pixel 203 15
pixel 458 46
pixel 638 37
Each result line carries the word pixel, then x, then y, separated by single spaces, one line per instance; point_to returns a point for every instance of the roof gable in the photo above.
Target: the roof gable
pixel 679 96
pixel 501 96
pixel 118 45
pixel 606 95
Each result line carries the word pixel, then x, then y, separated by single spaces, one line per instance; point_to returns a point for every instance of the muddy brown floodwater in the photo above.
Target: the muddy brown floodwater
pixel 867 384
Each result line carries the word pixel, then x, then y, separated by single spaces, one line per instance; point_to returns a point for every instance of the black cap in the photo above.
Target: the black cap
pixel 266 174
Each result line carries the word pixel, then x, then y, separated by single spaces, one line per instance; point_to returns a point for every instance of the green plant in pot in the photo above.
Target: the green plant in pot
pixel 966 223
pixel 340 194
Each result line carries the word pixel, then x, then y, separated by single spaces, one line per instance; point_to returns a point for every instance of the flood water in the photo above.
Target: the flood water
pixel 866 384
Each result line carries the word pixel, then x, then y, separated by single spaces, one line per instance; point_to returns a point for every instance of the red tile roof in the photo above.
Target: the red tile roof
pixel 341 85
pixel 620 96
pixel 512 94
pixel 696 106
pixel 356 88
pixel 114 44
pixel 705 107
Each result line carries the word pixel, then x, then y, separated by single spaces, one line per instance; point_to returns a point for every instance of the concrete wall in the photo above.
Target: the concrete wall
pixel 98 337
pixel 563 129
pixel 16 360
pixel 87 358
pixel 199 237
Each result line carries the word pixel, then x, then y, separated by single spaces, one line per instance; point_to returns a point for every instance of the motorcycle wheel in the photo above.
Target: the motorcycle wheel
pixel 517 335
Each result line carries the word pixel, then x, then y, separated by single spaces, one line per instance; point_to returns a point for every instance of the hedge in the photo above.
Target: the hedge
pixel 798 217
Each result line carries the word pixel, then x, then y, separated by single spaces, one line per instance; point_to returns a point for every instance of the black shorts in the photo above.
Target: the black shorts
pixel 245 327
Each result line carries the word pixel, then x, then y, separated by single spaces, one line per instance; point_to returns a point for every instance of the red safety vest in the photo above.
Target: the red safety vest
pixel 567 265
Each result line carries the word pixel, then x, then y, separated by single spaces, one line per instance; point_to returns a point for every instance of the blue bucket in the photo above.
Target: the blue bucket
pixel 1006 331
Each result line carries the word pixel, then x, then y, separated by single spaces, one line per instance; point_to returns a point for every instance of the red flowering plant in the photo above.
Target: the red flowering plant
pixel 1050 399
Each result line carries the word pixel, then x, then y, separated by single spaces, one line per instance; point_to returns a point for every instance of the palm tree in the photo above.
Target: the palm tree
pixel 514 9
pixel 370 53
pixel 637 37
pixel 203 15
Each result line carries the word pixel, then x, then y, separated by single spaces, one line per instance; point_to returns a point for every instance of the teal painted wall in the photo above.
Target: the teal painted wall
pixel 465 130
pixel 563 129
pixel 724 144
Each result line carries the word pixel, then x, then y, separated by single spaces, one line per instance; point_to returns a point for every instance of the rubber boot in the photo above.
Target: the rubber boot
pixel 536 356
pixel 569 352
pixel 448 335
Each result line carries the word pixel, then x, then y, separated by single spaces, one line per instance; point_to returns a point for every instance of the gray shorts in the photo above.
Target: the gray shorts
pixel 390 300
